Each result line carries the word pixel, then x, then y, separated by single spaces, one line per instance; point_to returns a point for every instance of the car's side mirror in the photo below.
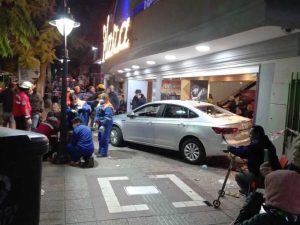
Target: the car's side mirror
pixel 131 115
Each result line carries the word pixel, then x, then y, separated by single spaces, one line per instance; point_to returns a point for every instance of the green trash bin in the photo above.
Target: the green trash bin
pixel 20 176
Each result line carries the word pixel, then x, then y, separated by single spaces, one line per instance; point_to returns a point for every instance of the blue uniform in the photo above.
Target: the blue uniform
pixel 81 144
pixel 104 117
pixel 82 112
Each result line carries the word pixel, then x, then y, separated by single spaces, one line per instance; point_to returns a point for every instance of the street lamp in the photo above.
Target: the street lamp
pixel 65 24
pixel 94 49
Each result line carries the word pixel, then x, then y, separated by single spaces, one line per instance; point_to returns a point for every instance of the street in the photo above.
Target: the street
pixel 136 185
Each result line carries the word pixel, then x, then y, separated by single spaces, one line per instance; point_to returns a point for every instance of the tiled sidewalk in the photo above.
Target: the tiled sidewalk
pixel 135 187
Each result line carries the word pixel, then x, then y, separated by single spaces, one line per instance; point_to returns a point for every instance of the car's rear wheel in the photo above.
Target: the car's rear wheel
pixel 116 137
pixel 193 151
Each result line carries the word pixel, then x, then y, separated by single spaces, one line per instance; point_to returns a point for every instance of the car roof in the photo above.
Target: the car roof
pixel 181 102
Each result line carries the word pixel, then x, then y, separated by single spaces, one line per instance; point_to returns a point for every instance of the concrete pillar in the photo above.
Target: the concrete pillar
pixel 158 83
pixel 265 82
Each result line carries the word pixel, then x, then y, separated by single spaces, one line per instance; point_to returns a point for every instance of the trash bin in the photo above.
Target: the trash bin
pixel 20 176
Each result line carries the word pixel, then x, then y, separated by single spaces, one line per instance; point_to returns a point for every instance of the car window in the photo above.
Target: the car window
pixel 213 110
pixel 175 111
pixel 192 114
pixel 148 111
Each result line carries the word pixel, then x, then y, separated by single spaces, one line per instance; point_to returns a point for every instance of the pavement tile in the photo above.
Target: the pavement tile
pixel 233 213
pixel 143 221
pixel 213 217
pixel 73 195
pixel 52 170
pixel 76 194
pixel 80 216
pixel 85 223
pixel 53 180
pixel 53 195
pixel 52 206
pixel 79 204
pixel 75 185
pixel 53 187
pixel 114 222
pixel 52 218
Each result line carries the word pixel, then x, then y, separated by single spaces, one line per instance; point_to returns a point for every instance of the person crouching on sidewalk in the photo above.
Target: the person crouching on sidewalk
pixel 104 119
pixel 81 145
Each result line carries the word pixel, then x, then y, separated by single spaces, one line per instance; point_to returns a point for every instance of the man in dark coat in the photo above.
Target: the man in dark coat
pixel 113 97
pixel 37 106
pixel 255 155
pixel 139 99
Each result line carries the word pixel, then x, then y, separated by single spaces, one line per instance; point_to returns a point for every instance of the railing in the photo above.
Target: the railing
pixel 238 93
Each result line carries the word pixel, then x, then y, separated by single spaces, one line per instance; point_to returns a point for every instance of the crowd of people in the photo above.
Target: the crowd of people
pixel 240 106
pixel 23 108
pixel 96 107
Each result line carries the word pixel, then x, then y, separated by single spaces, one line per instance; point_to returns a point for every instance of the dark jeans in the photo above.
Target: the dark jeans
pixel 245 181
pixel 21 123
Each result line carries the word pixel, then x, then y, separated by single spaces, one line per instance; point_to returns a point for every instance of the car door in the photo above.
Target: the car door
pixel 169 128
pixel 139 127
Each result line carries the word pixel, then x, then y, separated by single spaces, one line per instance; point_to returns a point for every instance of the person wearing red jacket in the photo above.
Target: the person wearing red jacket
pixel 21 107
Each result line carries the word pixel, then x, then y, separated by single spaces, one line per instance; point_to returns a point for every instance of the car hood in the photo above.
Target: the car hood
pixel 120 116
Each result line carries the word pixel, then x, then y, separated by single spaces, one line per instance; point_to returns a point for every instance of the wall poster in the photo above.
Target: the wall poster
pixel 198 90
pixel 170 89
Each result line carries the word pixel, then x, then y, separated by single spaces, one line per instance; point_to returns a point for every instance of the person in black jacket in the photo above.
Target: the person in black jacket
pixel 255 155
pixel 37 106
pixel 7 98
pixel 282 205
pixel 113 97
pixel 138 100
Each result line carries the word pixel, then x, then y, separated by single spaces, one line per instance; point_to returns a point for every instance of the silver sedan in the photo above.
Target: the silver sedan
pixel 196 129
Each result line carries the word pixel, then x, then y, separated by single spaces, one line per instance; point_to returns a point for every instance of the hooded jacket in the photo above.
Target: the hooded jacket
pixel 282 204
pixel 254 153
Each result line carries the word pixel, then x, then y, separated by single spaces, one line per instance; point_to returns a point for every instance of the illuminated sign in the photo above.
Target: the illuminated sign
pixel 115 39
pixel 148 3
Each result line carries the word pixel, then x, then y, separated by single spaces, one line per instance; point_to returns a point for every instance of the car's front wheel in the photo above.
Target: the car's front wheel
pixel 193 151
pixel 116 137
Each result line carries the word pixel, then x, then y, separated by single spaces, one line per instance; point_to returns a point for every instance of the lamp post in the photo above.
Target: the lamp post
pixel 94 49
pixel 65 24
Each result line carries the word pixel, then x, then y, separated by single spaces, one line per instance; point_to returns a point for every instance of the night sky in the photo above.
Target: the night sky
pixel 92 16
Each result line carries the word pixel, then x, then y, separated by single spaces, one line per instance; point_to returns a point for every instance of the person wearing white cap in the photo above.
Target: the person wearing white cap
pixel 21 107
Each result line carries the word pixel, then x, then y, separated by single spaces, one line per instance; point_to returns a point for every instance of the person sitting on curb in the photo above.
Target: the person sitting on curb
pixel 81 145
pixel 50 128
pixel 282 205
pixel 255 154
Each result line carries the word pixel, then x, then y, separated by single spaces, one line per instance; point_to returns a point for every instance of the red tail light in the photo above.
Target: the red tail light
pixel 222 130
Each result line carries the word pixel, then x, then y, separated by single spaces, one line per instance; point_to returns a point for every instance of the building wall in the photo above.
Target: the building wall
pixel 276 115
pixel 170 24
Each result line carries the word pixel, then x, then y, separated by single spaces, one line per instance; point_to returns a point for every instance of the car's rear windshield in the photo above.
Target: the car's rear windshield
pixel 213 111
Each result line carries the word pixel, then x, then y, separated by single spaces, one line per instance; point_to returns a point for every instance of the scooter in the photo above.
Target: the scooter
pixel 221 193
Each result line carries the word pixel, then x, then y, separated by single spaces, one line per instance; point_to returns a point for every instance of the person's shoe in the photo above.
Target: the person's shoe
pixel 100 156
pixel 89 163
pixel 76 164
